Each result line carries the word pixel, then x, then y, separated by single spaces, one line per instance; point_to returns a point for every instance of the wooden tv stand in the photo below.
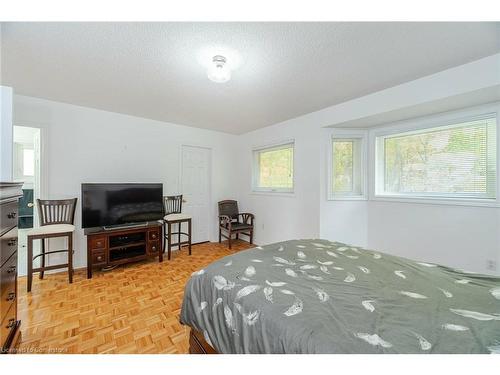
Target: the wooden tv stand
pixel 111 247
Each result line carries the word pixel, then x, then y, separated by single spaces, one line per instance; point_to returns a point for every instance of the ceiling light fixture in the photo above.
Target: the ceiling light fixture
pixel 219 71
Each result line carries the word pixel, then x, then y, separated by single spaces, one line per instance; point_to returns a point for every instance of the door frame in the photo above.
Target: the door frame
pixel 211 226
pixel 44 164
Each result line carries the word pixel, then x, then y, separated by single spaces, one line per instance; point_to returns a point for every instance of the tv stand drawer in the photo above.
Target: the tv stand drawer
pixel 98 242
pixel 99 257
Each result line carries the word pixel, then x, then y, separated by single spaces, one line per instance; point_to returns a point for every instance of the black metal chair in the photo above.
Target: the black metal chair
pixel 56 220
pixel 232 221
pixel 173 215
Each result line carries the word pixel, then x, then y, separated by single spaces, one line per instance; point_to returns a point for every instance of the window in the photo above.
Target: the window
pixel 346 179
pixel 28 162
pixel 273 168
pixel 454 161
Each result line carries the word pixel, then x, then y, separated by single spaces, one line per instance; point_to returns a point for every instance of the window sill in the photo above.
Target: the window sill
pixel 348 198
pixel 290 194
pixel 438 201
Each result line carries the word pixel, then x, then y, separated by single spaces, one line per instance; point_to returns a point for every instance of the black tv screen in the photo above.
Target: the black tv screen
pixel 106 205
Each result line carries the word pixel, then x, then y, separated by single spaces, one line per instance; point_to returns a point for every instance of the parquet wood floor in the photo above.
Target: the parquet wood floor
pixel 132 309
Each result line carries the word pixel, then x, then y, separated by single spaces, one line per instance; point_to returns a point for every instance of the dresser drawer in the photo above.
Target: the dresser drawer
pixel 99 257
pixel 8 274
pixel 8 323
pixel 154 235
pixel 8 245
pixel 98 242
pixel 8 216
pixel 153 247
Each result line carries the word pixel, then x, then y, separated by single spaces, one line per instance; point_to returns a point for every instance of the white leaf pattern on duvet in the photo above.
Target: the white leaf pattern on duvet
pixel 260 248
pixel 350 278
pixel 301 254
pixel 364 269
pixel 352 256
pixel 455 327
pixel 286 291
pixel 368 305
pixel 301 246
pixel 228 263
pixel 324 269
pixel 475 315
pixel 338 268
pixel 203 304
pixel 494 349
pixel 246 291
pixel 308 267
pixel 314 277
pixel 278 265
pixel 198 273
pixel 281 248
pixel 495 292
pixel 250 318
pixel 295 309
pixel 220 282
pixel 424 344
pixel 268 293
pixel 245 278
pixel 284 261
pixel 250 271
pixel 426 264
pixel 331 253
pixel 462 281
pixel 327 263
pixel 343 248
pixel 318 244
pixel 228 315
pixel 355 250
pixel 400 274
pixel 412 295
pixel 290 272
pixel 276 283
pixel 256 260
pixel 217 302
pixel 446 293
pixel 322 295
pixel 374 340
pixel 377 256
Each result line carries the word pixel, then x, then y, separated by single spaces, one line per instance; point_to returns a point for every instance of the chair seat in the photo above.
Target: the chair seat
pixel 51 229
pixel 175 217
pixel 240 226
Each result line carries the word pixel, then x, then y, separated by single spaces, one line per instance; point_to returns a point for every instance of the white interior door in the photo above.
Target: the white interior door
pixel 195 188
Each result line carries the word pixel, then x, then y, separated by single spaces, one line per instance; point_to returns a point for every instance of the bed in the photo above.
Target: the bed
pixel 317 296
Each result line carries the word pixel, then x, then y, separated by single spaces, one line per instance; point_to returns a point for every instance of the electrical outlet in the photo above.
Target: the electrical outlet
pixel 491 265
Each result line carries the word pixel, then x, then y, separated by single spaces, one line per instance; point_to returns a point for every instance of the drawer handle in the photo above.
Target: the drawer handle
pixel 99 258
pixel 12 242
pixel 12 323
pixel 154 235
pixel 12 215
pixel 11 296
pixel 153 248
pixel 11 269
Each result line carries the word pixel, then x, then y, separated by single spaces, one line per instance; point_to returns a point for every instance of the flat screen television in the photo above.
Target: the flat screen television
pixel 111 204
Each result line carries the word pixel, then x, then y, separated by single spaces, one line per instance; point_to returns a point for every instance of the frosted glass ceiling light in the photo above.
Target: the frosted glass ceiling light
pixel 219 71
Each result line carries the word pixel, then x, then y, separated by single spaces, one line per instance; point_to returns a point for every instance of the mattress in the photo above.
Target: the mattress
pixel 317 296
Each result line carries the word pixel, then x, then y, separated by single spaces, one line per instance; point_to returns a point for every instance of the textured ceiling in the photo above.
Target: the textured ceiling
pixel 154 70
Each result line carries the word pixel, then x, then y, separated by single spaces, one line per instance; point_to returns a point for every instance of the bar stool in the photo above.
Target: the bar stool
pixel 173 215
pixel 56 220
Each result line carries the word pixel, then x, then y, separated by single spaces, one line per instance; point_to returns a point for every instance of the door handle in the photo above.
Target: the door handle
pixel 30 204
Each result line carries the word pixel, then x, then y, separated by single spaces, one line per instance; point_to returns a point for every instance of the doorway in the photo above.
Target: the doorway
pixel 26 167
pixel 196 189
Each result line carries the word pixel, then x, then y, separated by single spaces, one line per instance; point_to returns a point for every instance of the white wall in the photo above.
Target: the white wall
pixel 465 237
pixel 6 133
pixel 87 145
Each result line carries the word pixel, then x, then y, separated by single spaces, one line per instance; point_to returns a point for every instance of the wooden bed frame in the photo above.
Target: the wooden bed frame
pixel 198 345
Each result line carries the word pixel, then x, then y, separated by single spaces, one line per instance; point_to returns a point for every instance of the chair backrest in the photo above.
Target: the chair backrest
pixel 61 211
pixel 229 208
pixel 172 204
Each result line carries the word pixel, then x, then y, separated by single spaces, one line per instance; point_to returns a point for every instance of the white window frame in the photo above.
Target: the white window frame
pixel 420 124
pixel 256 167
pixel 349 134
